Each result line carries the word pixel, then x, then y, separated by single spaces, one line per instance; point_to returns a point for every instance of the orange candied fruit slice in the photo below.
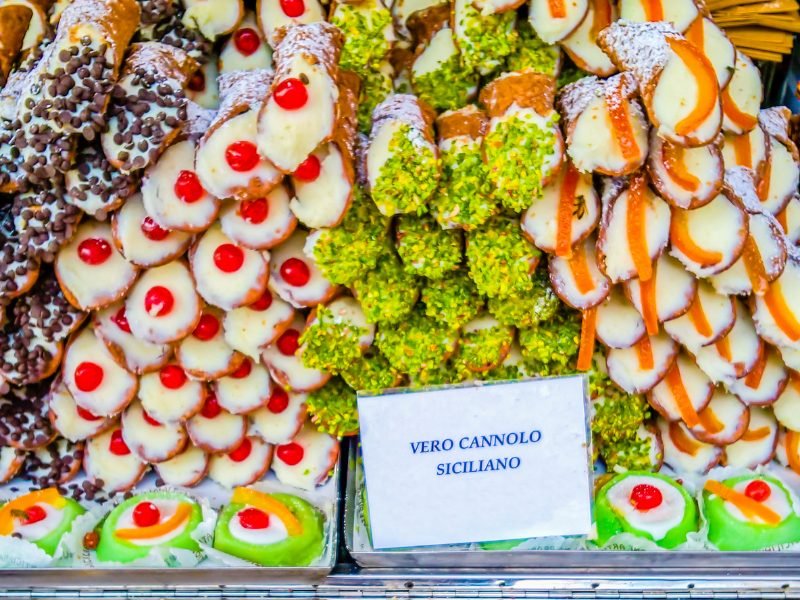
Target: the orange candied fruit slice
pixel 754 265
pixel 269 504
pixel 682 400
pixel 46 496
pixel 644 351
pixel 682 240
pixel 780 311
pixel 739 118
pixel 676 167
pixel 751 508
pixel 699 319
pixel 586 348
pixel 653 10
pixel 182 513
pixel 636 224
pixel 707 86
pixel 558 8
pixel 621 123
pixel 566 208
pixel 684 443
pixel 649 307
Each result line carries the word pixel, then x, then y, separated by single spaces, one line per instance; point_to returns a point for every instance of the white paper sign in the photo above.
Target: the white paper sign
pixel 477 463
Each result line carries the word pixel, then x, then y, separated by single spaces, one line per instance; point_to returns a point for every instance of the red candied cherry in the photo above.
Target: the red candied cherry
pixel 253 518
pixel 242 156
pixel 146 514
pixel 33 514
pixel 152 230
pixel 211 407
pixel 228 258
pixel 308 170
pixel 254 211
pixel 198 81
pixel 278 401
pixel 188 187
pixel 645 496
pixel 150 419
pixel 293 8
pixel 207 327
pixel 242 452
pixel 117 445
pixel 244 369
pixel 246 40
pixel 758 490
pixel 121 320
pixel 295 272
pixel 94 251
pixel 172 377
pixel 86 415
pixel 291 453
pixel 263 303
pixel 291 94
pixel 289 342
pixel 88 376
pixel 158 301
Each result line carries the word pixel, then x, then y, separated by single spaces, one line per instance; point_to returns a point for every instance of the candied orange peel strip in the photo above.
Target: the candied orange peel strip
pixel 762 187
pixel 696 33
pixel 182 513
pixel 586 348
pixel 754 265
pixel 742 150
pixel 699 319
pixel 566 207
pixel 558 8
pixel 741 119
pixel 46 496
pixel 753 379
pixel 751 508
pixel 269 504
pixel 682 400
pixel 636 223
pixel 780 311
pixel 676 168
pixel 602 16
pixel 679 235
pixel 653 10
pixel 709 420
pixel 579 265
pixel 644 350
pixel 621 123
pixel 792 448
pixel 683 442
pixel 753 435
pixel 649 307
pixel 707 87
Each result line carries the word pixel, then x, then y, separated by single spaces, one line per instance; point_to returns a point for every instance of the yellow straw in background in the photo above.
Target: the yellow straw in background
pixel 762 30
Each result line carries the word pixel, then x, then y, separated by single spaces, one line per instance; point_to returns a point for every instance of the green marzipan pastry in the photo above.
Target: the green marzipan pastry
pixel 529 308
pixel 409 176
pixel 484 40
pixel 371 373
pixel 386 294
pixel 294 551
pixel 50 542
pixel 500 259
pixel 418 343
pixel 425 248
pixel 331 343
pixel 453 300
pixel 333 408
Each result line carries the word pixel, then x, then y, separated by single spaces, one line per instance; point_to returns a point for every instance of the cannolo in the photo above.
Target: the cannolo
pixel 282 417
pixel 307 460
pixel 252 328
pixel 323 183
pixel 11 461
pixel 214 429
pixel 742 97
pixel 765 383
pixel 246 49
pixel 634 229
pixel 709 318
pixel 55 464
pixel 368 31
pixel 44 222
pixel 174 33
pixel 336 335
pixel 372 372
pixel 96 187
pixel 259 223
pixel 684 392
pixel 617 323
pixel 151 440
pixel 213 18
pixel 387 293
pixel 23 412
pixel 148 109
pixel 399 344
pixel 554 20
pixel 110 464
pixel 581 44
pixel 683 452
pixel 402 163
pixel 294 275
pixel 228 162
pixel 531 53
pixel 484 40
pixel 205 354
pixel 203 88
pixel 734 355
pixel 168 395
pixel 426 249
pixel 776 311
pixel 780 180
pixel 70 420
pixel 523 147
pixel 14 21
pixel 677 82
pixel 273 15
pixel 18 270
pixel 243 465
pixel 681 13
pixel 723 421
pixel 420 10
pixel 639 368
pixel 718 49
pixel 789 219
pixel 244 390
pixel 284 358
pixel 300 111
pixel 454 300
pixel 577 280
pixel 757 444
pixel 484 344
pixel 550 347
pixel 749 150
pixel 186 469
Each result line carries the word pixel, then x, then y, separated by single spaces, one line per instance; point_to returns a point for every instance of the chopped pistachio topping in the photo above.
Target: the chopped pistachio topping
pixel 465 197
pixel 485 40
pixel 447 87
pixel 631 454
pixel 453 300
pixel 367 34
pixel 409 176
pixel 532 53
pixel 333 408
pixel 617 414
pixel 331 343
pixel 500 259
pixel 529 308
pixel 482 349
pixel 371 373
pixel 505 372
pixel 418 343
pixel 425 248
pixel 376 85
pixel 387 293
pixel 554 341
pixel 445 373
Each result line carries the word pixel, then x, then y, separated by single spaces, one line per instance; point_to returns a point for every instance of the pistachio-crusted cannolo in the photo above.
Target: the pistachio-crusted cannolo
pixel 387 293
pixel 500 260
pixel 425 248
pixel 368 33
pixel 453 300
pixel 96 187
pixel 523 147
pixel 300 111
pixel 417 343
pixel 273 15
pixel 333 409
pixel 148 110
pixel 212 18
pixel 465 197
pixel 551 345
pixel 483 40
pixel 527 309
pixel 371 372
pixel 531 53
pixel 14 21
pixel 512 367
pixel 376 85
pixel 678 84
pixel 228 162
pixel 402 159
pixel 484 344
pixel 337 334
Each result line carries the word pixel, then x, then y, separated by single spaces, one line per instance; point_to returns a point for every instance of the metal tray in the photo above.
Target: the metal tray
pixel 465 557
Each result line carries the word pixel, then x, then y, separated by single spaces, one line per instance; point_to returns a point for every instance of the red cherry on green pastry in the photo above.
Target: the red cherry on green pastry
pixel 262 303
pixel 243 370
pixel 295 272
pixel 253 518
pixel 289 342
pixel 152 230
pixel 94 251
pixel 86 415
pixel 246 40
pixel 117 445
pixel 228 258
pixel 242 452
pixel 198 81
pixel 308 170
pixel 242 156
pixel 293 8
pixel 188 187
pixel 150 419
pixel 291 94
pixel 211 407
pixel 121 320
pixel 146 514
pixel 33 514
pixel 291 453
pixel 158 301
pixel 645 496
pixel 758 490
pixel 207 327
pixel 278 401
pixel 172 377
pixel 254 211
pixel 88 376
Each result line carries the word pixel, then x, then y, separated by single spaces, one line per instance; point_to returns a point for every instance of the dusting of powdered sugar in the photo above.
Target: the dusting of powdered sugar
pixel 641 48
pixel 574 98
pixel 406 109
pixel 319 42
pixel 198 120
pixel 160 59
pixel 775 123
pixel 741 184
pixel 240 91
